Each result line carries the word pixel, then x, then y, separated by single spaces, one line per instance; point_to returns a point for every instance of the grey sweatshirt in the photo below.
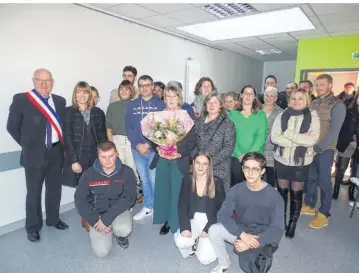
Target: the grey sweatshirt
pixel 257 212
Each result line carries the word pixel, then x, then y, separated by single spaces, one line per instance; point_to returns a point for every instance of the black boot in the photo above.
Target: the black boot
pixel 296 200
pixel 336 192
pixel 165 228
pixel 351 190
pixel 284 194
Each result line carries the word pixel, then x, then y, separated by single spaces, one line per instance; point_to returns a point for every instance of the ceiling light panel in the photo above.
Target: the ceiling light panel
pixel 268 51
pixel 289 20
pixel 229 10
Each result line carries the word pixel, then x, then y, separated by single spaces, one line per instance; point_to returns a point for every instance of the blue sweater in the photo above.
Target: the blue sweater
pixel 189 109
pixel 135 112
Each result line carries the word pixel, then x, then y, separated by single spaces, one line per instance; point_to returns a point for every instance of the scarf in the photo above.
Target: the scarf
pixel 300 151
pixel 86 114
pixel 198 102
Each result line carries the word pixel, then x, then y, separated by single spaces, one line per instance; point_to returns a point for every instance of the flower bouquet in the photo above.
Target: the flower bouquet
pixel 167 128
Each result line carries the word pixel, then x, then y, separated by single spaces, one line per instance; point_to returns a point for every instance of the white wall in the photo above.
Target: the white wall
pixel 79 44
pixel 283 70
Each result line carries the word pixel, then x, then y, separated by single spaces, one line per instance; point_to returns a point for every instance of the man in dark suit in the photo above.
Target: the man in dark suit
pixel 35 123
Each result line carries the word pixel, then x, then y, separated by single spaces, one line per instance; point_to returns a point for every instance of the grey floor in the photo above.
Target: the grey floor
pixel 334 249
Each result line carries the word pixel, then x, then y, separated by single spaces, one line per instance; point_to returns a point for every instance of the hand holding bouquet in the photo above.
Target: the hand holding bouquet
pixel 167 128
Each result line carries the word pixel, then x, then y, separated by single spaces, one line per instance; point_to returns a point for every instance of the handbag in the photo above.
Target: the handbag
pixel 68 177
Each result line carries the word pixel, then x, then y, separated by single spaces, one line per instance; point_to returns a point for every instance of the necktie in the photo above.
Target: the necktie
pixel 48 130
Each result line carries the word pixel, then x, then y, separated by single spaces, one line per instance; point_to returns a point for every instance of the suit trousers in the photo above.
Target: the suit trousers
pixel 50 172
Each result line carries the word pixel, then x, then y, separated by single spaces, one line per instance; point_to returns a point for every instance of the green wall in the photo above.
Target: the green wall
pixel 335 52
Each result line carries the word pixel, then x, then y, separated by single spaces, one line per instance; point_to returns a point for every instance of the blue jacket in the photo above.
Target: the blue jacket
pixel 136 111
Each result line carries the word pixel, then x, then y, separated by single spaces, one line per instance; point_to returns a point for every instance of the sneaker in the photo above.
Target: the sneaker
pixel 122 242
pixel 144 212
pixel 192 254
pixel 319 221
pixel 351 204
pixel 219 269
pixel 307 210
pixel 355 181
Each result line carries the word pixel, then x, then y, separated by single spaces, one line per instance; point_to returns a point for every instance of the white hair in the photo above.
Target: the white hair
pixel 271 89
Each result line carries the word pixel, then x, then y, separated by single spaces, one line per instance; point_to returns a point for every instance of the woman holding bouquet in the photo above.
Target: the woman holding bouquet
pixel 171 167
pixel 216 134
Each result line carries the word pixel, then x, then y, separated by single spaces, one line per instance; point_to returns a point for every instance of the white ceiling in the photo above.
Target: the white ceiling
pixel 330 20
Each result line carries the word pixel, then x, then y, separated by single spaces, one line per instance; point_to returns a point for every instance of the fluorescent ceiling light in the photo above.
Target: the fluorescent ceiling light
pixel 280 21
pixel 268 51
pixel 228 10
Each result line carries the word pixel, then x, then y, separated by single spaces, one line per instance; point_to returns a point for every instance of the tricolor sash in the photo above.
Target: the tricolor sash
pixel 49 113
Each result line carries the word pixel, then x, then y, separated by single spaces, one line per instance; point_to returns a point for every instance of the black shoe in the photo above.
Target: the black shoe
pixel 122 242
pixel 351 190
pixel 165 229
pixel 296 200
pixel 61 225
pixel 33 236
pixel 336 192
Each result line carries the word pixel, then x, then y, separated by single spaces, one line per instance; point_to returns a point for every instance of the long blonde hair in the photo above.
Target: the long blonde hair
pixel 210 188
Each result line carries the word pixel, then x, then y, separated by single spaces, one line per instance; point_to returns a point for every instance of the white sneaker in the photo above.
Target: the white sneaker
pixel 144 212
pixel 355 181
pixel 220 269
pixel 351 204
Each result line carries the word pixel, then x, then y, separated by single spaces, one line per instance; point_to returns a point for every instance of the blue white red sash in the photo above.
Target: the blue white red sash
pixel 49 113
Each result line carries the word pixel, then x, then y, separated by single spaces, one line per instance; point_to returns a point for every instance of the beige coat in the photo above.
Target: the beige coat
pixel 291 138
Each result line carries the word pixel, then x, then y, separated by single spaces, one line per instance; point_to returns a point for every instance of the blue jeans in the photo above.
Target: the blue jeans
pixel 320 175
pixel 147 176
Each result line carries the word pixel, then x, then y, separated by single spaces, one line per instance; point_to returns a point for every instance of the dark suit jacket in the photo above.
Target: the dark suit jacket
pixel 184 148
pixel 27 126
pixel 188 199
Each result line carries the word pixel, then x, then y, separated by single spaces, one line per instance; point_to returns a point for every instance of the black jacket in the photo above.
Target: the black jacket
pixel 74 132
pixel 187 204
pixel 349 128
pixel 184 148
pixel 26 124
pixel 346 99
pixel 106 196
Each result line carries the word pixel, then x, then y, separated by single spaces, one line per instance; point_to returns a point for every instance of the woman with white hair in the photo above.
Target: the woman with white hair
pixel 272 110
pixel 170 169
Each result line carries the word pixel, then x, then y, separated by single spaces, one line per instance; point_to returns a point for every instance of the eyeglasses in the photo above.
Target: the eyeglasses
pixel 145 85
pixel 124 76
pixel 247 169
pixel 248 94
pixel 171 97
pixel 42 81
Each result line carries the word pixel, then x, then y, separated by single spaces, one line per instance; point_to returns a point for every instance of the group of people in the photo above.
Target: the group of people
pixel 228 180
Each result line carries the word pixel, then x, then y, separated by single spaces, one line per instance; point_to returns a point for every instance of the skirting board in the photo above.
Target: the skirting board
pixel 21 224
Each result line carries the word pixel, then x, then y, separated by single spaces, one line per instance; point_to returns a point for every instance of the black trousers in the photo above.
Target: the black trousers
pixel 340 168
pixel 270 176
pixel 50 172
pixel 237 174
pixel 257 260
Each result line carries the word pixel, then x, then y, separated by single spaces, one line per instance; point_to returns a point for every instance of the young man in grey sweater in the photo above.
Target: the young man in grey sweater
pixel 257 226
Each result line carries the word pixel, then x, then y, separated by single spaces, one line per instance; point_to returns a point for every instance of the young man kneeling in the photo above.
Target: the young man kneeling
pixel 258 225
pixel 104 196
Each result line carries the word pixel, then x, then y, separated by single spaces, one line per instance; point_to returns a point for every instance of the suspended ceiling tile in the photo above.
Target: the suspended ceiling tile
pixel 132 11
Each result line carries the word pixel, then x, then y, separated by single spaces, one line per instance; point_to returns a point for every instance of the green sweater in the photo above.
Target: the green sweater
pixel 251 132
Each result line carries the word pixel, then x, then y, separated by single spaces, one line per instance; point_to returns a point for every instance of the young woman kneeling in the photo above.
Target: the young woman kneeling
pixel 200 199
